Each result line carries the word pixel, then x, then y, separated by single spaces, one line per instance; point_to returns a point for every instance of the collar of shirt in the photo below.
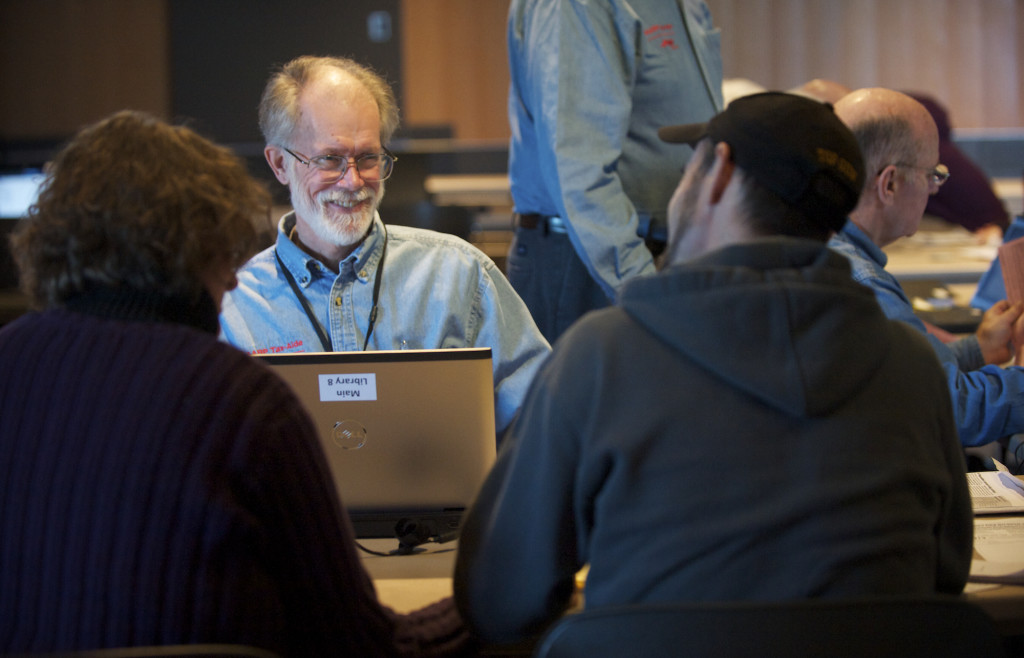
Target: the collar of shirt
pixel 303 267
pixel 861 240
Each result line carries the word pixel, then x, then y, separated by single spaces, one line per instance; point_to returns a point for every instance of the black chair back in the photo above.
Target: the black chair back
pixel 932 627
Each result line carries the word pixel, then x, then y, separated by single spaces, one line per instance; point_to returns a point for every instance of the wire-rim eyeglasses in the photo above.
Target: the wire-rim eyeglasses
pixel 370 166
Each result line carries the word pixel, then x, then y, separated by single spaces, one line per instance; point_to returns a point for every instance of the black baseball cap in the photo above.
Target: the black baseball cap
pixel 795 146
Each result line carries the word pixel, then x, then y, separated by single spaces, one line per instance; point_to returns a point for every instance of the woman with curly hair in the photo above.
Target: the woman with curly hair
pixel 158 486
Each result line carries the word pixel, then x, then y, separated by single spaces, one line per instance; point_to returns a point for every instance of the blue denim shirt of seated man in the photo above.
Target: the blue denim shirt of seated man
pixel 437 291
pixel 988 400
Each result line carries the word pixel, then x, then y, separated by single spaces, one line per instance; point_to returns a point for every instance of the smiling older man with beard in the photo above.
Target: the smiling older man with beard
pixel 338 278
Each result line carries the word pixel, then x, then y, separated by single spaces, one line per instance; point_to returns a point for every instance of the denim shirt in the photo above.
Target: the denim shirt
pixel 591 83
pixel 988 401
pixel 437 291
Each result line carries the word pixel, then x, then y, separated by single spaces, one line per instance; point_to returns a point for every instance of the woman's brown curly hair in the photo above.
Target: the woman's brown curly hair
pixel 132 201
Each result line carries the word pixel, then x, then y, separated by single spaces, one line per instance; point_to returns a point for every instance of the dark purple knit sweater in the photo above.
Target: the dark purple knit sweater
pixel 160 487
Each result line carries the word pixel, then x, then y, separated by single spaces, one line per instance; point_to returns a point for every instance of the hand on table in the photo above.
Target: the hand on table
pixel 989 234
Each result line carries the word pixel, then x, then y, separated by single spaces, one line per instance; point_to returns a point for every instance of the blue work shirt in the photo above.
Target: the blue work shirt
pixel 437 291
pixel 988 401
pixel 591 83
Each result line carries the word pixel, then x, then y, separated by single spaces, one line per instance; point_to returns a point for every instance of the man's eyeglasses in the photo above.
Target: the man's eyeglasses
pixel 937 175
pixel 371 166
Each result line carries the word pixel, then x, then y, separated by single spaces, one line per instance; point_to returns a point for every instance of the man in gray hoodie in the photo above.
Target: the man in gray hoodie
pixel 746 424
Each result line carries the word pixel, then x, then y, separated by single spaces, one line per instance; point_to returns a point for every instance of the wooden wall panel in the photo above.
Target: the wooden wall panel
pixel 66 63
pixel 966 53
pixel 455 67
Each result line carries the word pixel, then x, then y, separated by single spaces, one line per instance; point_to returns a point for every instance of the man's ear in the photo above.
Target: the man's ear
pixel 721 171
pixel 275 156
pixel 886 184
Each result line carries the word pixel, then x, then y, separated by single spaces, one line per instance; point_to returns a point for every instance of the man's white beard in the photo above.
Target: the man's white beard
pixel 343 230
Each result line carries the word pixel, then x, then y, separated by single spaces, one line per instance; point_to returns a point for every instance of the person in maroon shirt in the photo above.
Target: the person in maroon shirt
pixel 967 197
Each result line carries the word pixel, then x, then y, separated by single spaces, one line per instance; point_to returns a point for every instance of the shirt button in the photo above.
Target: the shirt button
pixel 337 301
pixel 362 274
pixel 304 280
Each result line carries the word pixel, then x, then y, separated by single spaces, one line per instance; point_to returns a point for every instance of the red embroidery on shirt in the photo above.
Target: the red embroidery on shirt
pixel 277 349
pixel 662 35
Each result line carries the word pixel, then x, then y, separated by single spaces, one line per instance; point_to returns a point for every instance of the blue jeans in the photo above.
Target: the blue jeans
pixel 546 272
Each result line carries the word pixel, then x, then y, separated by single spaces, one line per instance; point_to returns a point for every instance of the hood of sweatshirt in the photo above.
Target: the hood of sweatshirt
pixel 779 318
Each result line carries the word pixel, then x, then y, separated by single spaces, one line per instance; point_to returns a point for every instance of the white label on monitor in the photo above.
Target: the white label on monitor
pixel 341 388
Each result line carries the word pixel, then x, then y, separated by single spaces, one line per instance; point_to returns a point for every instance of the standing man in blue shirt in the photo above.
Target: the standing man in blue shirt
pixel 337 278
pixel 900 143
pixel 591 83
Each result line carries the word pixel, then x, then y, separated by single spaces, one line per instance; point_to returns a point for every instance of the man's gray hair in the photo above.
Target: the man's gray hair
pixel 885 141
pixel 279 106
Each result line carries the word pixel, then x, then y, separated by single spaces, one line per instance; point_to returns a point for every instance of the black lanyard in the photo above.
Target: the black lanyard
pixel 320 332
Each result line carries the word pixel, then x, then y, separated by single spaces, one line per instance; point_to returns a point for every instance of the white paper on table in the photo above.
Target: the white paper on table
pixel 997 572
pixel 995 492
pixel 1000 544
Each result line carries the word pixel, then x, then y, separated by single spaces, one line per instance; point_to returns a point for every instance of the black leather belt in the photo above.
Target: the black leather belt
pixel 528 220
pixel 533 220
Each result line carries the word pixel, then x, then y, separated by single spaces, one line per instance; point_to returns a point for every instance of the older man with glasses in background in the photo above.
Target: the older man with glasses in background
pixel 900 143
pixel 338 278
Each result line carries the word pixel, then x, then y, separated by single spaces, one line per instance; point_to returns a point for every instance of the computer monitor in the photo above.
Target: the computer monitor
pixel 408 434
pixel 18 190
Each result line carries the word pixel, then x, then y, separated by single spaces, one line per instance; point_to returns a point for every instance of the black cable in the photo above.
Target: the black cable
pixel 371 551
pixel 400 550
pixel 376 288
